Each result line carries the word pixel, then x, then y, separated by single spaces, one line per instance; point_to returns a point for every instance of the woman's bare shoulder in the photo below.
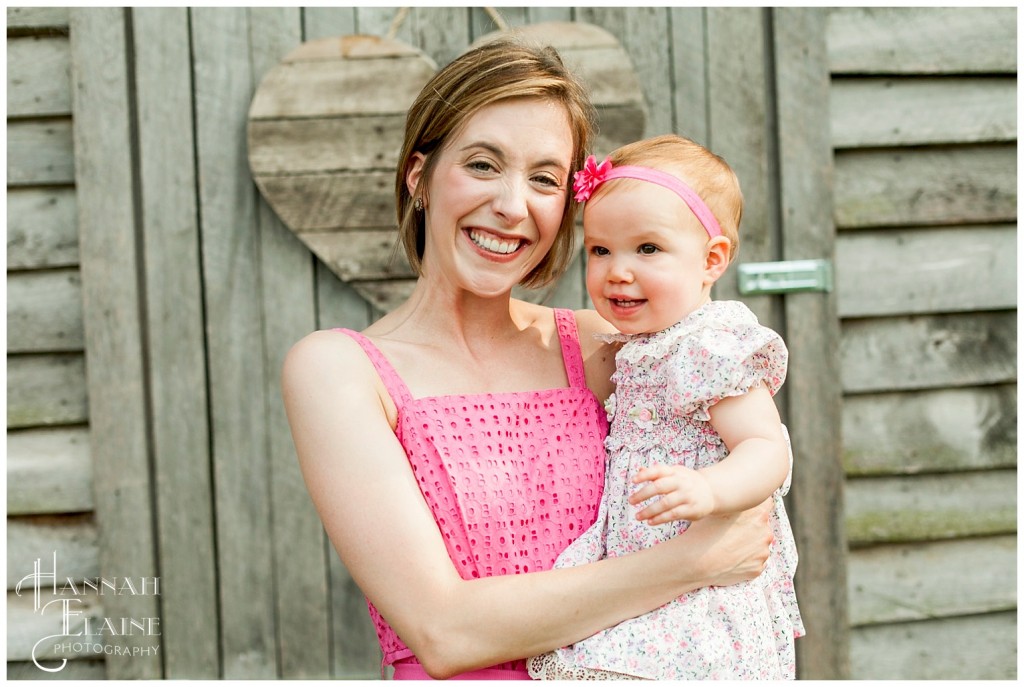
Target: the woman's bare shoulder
pixel 328 360
pixel 324 348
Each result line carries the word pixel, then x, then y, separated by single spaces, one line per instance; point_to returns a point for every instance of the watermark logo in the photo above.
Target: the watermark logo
pixel 69 600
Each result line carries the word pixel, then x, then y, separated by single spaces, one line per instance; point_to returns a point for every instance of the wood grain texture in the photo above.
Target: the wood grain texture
pixel 922 40
pixel 923 186
pixel 909 272
pixel 901 582
pixel 931 507
pixel 222 81
pixel 42 228
pixel 813 401
pixel 923 111
pixel 49 471
pixel 928 352
pixel 302 605
pixel 38 77
pixel 37 18
pixel 738 117
pixel 40 152
pixel 46 389
pixel 176 357
pixel 940 430
pixel 112 300
pixel 44 311
pixel 977 647
pixel 72 537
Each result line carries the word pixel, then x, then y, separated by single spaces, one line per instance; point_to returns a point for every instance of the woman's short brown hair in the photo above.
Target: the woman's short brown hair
pixel 497 70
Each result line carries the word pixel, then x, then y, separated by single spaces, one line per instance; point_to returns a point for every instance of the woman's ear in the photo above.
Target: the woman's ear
pixel 414 173
pixel 716 260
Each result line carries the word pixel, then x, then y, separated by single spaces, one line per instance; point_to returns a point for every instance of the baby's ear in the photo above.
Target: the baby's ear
pixel 717 258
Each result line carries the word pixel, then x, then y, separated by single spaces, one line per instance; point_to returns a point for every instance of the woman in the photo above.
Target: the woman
pixel 458 441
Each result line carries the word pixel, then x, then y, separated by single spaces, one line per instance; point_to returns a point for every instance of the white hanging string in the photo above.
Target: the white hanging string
pixel 403 12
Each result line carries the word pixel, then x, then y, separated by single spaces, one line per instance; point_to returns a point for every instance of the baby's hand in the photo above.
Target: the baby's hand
pixel 685 494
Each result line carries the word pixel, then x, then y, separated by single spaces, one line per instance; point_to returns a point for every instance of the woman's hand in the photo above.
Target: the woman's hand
pixel 733 548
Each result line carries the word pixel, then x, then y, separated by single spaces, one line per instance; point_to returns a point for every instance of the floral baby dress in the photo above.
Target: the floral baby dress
pixel 665 383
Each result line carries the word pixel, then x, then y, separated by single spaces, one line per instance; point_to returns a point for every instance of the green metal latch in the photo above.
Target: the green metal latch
pixel 789 276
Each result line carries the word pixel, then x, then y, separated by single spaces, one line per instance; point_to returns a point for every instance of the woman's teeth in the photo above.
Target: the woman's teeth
pixel 494 245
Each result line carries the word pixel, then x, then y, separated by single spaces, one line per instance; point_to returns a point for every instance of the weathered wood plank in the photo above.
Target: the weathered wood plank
pixel 40 152
pixel 46 389
pixel 320 202
pixel 923 111
pixel 371 254
pixel 910 272
pixel 44 311
pixel 642 33
pixel 441 32
pixel 37 17
pixel 481 22
pixel 377 21
pixel 223 78
pixel 295 146
pixel 537 14
pixel 42 228
pixel 926 186
pixel 302 605
pixel 930 431
pixel 737 118
pixel 26 626
pixel 112 304
pixel 922 40
pixel 72 537
pixel 49 471
pixel 931 507
pixel 337 303
pixel 813 399
pixel 174 320
pixel 979 647
pixel 902 353
pixel 690 85
pixel 324 22
pixel 313 89
pixel 903 582
pixel 78 669
pixel 38 77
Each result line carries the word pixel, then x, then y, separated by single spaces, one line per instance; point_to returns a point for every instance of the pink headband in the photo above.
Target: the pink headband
pixel 586 181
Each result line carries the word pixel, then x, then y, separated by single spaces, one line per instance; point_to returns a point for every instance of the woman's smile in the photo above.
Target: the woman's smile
pixel 496 196
pixel 495 244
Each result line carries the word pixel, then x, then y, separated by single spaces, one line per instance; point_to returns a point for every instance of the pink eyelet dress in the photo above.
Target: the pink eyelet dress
pixel 511 478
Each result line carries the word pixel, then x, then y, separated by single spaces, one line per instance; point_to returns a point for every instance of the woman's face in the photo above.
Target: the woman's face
pixel 496 195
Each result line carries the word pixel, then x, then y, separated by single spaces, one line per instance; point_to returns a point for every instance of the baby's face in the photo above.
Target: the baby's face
pixel 646 257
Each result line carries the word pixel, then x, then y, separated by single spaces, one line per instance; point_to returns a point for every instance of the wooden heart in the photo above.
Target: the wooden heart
pixel 325 130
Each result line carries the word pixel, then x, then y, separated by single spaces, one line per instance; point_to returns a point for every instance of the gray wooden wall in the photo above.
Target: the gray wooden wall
pixel 137 244
pixel 924 125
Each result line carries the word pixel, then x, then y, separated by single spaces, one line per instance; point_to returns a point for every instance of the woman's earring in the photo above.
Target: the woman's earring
pixel 418 204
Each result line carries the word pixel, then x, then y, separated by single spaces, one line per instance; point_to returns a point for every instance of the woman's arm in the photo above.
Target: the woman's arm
pixel 368 499
pixel 756 466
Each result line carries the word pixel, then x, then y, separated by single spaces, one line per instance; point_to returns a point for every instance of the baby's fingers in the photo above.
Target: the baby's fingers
pixel 649 474
pixel 668 508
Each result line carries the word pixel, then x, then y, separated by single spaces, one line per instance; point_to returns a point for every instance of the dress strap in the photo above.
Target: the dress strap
pixel 572 356
pixel 392 382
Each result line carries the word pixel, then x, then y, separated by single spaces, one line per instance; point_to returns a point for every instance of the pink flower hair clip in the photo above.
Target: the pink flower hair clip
pixel 586 181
